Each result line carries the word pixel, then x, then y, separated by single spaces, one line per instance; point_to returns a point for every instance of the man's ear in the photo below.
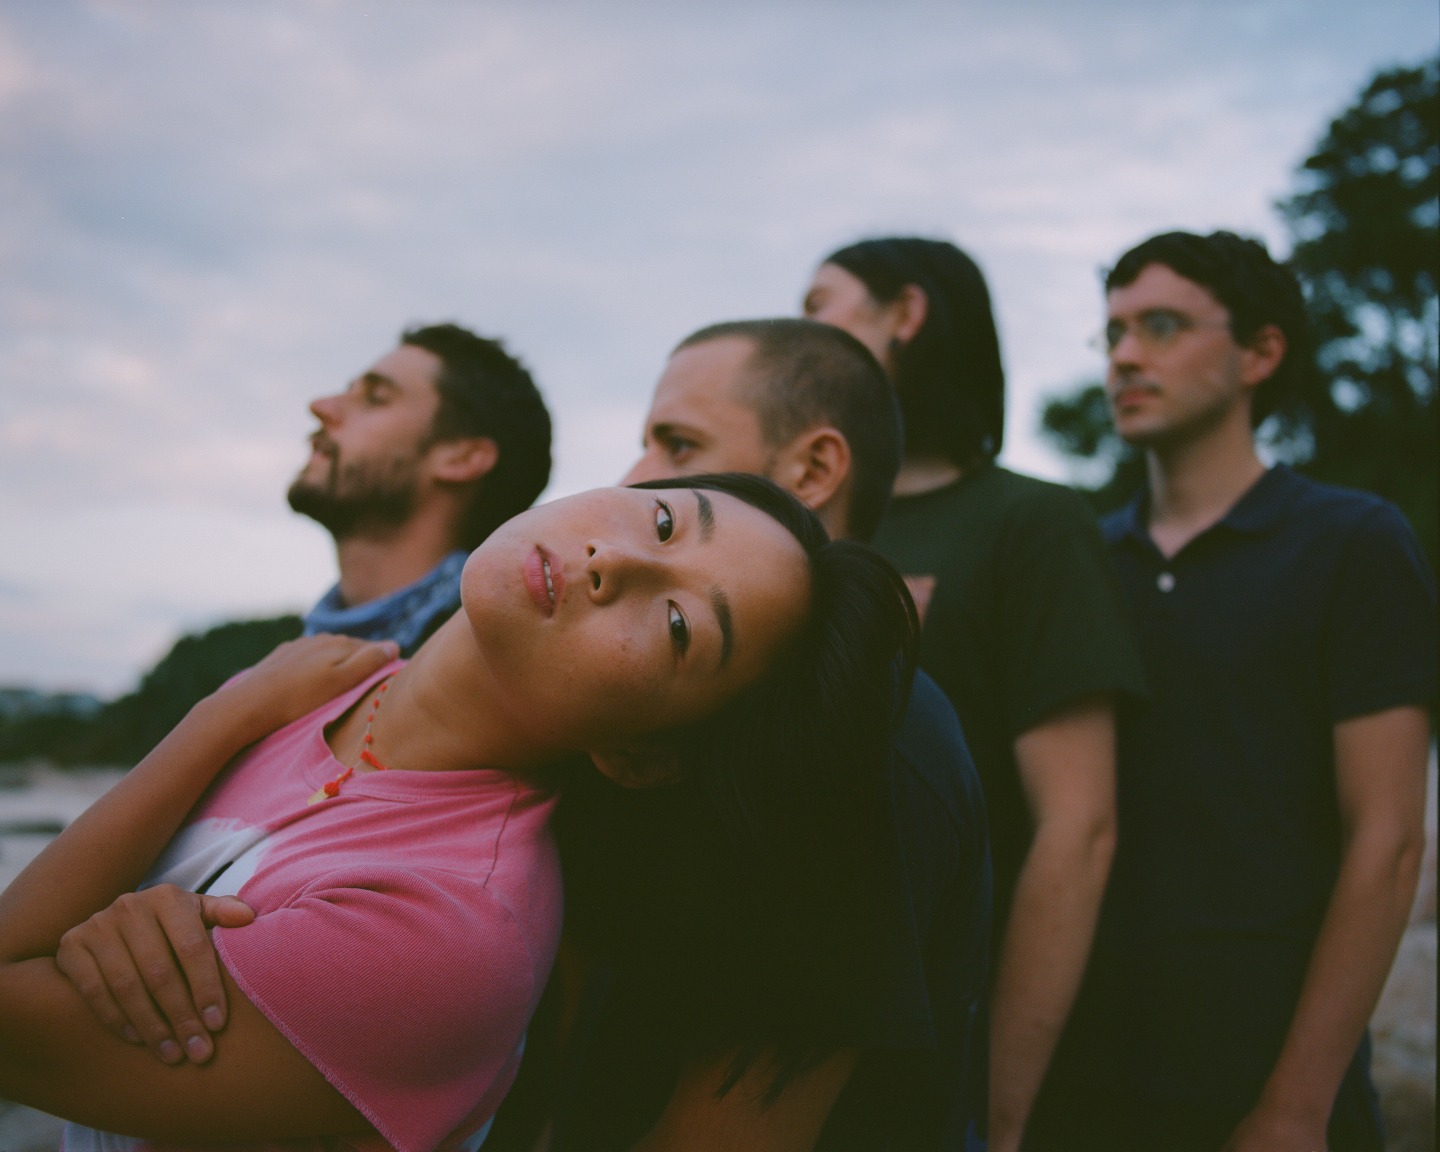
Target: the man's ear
pixel 913 306
pixel 463 460
pixel 814 466
pixel 639 766
pixel 1260 356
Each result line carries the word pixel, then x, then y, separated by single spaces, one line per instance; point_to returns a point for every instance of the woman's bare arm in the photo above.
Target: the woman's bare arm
pixel 54 1055
pixel 108 850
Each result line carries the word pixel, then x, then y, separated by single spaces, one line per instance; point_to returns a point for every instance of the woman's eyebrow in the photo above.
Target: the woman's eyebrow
pixel 721 604
pixel 707 515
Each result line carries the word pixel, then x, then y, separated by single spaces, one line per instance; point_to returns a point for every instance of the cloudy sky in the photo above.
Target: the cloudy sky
pixel 212 211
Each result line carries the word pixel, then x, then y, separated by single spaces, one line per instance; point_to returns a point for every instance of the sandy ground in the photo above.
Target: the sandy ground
pixel 35 802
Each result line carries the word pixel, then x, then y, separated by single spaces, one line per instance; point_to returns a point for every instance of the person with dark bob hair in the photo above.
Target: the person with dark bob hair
pixel 943 354
pixel 701 643
pixel 1022 629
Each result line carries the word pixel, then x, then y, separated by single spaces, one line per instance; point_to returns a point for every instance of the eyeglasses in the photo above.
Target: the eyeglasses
pixel 1157 328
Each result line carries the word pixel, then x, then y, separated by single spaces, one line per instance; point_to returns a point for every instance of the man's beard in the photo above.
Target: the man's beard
pixel 358 498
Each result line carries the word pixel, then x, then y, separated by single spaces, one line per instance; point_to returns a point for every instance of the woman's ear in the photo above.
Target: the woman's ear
pixel 641 766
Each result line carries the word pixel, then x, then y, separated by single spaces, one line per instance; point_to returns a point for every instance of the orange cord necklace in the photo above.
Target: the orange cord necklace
pixel 331 788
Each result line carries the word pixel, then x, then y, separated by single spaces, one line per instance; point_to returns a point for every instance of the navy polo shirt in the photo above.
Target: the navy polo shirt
pixel 1303 606
pixel 1306 605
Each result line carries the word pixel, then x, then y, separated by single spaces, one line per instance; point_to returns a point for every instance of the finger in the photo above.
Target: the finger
pixel 225 912
pixel 371 655
pixel 184 923
pixel 79 967
pixel 162 945
pixel 122 977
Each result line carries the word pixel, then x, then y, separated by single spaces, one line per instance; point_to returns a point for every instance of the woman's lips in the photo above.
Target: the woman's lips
pixel 543 579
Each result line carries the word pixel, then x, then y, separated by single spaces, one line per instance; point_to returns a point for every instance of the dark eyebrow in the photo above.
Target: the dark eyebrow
pixel 377 378
pixel 662 432
pixel 721 603
pixel 707 515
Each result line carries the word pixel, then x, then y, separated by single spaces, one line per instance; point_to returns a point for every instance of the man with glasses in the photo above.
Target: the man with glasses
pixel 1271 789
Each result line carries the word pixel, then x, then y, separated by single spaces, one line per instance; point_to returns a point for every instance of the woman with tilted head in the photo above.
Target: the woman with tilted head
pixel 386 825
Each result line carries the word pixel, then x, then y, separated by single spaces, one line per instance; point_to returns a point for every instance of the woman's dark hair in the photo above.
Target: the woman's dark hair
pixel 738 896
pixel 1254 288
pixel 949 377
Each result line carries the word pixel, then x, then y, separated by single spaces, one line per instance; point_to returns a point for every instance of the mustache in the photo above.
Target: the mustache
pixel 1128 383
pixel 322 443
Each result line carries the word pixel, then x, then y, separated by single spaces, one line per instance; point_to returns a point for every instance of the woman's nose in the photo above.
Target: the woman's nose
pixel 614 568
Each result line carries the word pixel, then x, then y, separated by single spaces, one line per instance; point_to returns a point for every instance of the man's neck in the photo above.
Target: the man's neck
pixel 833 519
pixel 1194 483
pixel 376 563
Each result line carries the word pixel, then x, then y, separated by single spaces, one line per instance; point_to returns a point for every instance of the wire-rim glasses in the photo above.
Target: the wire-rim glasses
pixel 1154 328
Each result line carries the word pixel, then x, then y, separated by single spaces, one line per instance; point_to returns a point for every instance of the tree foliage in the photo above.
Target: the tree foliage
pixel 126 729
pixel 1366 228
pixel 1364 219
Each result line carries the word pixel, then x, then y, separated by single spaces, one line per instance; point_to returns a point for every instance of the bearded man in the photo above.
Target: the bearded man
pixel 415 462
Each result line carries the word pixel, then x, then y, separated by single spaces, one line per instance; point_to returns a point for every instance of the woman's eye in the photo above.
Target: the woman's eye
pixel 679 629
pixel 664 521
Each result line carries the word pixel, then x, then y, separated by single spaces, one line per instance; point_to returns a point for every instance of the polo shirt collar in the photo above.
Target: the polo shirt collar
pixel 1132 517
pixel 1257 512
pixel 1260 510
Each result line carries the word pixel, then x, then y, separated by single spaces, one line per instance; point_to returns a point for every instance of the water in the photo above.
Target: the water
pixel 36 803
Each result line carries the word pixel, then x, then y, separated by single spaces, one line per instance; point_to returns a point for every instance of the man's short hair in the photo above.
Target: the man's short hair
pixel 802 374
pixel 484 391
pixel 1254 288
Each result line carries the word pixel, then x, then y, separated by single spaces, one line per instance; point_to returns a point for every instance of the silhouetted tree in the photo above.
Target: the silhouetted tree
pixel 126 729
pixel 1365 224
pixel 1366 227
pixel 1079 425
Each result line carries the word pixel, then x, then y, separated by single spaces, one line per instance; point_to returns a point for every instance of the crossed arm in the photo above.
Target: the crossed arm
pixel 54 1052
pixel 153 953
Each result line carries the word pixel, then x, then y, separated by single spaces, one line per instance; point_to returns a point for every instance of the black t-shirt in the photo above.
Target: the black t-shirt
pixel 920 1081
pixel 1023 618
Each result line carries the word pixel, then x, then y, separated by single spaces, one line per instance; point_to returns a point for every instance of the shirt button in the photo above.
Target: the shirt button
pixel 1165 581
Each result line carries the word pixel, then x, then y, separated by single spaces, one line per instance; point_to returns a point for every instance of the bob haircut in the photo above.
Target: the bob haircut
pixel 1254 288
pixel 741 893
pixel 949 377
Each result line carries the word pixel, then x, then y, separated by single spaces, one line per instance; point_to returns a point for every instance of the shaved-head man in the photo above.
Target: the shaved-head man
pixel 807 406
